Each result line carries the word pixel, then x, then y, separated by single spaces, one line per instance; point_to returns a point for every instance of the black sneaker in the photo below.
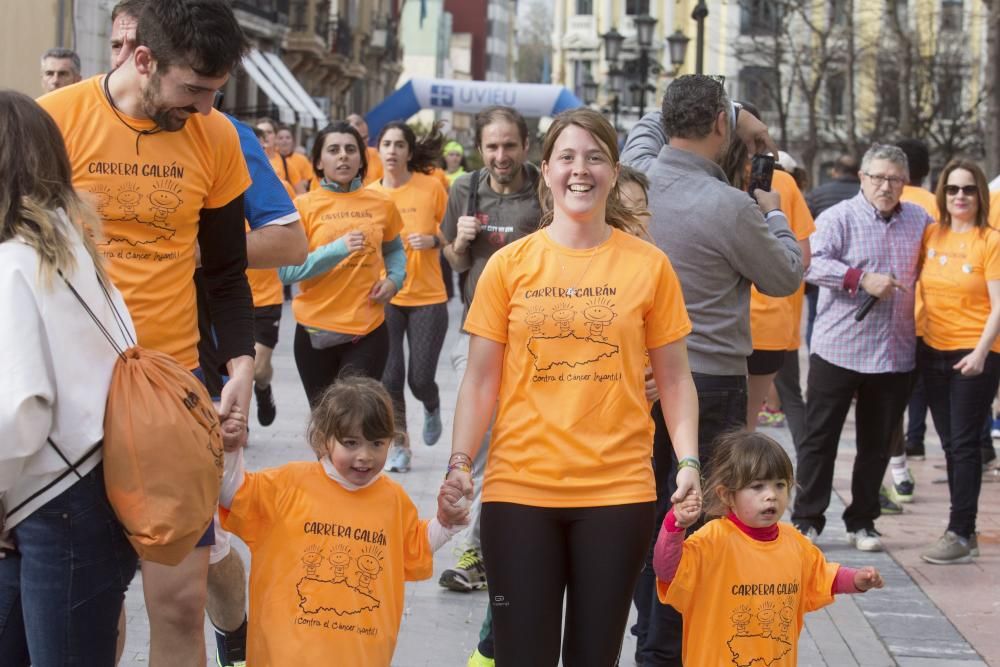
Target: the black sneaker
pixel 266 410
pixel 915 451
pixel 231 647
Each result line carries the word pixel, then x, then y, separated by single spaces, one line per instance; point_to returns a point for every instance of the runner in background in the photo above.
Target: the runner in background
pixel 286 169
pixel 454 161
pixel 354 241
pixel 284 141
pixel 357 121
pixel 419 312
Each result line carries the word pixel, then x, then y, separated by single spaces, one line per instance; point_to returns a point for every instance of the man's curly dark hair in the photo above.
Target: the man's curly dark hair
pixel 691 105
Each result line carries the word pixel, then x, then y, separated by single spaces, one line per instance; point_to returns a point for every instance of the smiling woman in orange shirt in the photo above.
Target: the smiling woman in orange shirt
pixel 356 264
pixel 560 325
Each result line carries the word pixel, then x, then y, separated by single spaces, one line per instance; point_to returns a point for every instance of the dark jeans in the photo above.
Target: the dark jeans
pixel 318 369
pixel 881 399
pixel 61 592
pixel 589 557
pixel 959 404
pixel 916 416
pixel 789 389
pixel 722 407
pixel 812 302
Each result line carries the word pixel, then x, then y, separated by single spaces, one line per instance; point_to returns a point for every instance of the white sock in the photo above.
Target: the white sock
pixel 900 471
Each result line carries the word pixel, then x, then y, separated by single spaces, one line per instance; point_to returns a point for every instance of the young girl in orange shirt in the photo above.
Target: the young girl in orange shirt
pixel 744 581
pixel 333 540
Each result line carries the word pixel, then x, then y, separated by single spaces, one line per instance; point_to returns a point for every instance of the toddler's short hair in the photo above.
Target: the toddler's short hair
pixel 353 405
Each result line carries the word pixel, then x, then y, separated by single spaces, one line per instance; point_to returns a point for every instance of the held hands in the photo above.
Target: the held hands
pixel 880 285
pixel 971 364
pixel 383 291
pixel 466 230
pixel 867 578
pixel 687 511
pixel 234 430
pixel 652 392
pixel 768 201
pixel 688 482
pixel 420 241
pixel 354 241
pixel 234 405
pixel 453 506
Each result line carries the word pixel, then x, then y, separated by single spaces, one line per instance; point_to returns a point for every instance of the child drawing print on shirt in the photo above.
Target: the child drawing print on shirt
pixel 340 558
pixel 164 199
pixel 599 314
pixel 535 320
pixel 312 559
pixel 786 615
pixel 766 617
pixel 369 566
pixel 102 197
pixel 129 197
pixel 741 619
pixel 563 316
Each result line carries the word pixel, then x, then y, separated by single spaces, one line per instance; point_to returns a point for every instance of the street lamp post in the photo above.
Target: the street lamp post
pixel 644 26
pixel 616 81
pixel 699 14
pixel 678 43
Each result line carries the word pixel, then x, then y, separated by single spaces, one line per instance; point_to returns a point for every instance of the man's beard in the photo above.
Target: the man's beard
pixel 508 178
pixel 161 116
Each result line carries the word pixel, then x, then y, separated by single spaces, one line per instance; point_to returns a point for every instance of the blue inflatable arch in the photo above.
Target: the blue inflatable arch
pixel 533 100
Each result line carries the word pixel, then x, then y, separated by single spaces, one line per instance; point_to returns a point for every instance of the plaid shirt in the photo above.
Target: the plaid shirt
pixel 853 234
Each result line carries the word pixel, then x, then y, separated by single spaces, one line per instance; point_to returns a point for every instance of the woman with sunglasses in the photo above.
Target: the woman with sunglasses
pixel 958 355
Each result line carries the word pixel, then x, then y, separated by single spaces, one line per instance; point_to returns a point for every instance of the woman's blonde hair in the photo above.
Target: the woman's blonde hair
pixel 35 181
pixel 353 405
pixel 742 457
pixel 617 214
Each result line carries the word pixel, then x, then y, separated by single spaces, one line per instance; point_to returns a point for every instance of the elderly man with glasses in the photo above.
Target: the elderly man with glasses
pixel 865 257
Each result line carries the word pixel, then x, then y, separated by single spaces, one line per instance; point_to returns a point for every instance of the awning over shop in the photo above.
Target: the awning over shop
pixel 262 64
pixel 293 84
pixel 286 114
pixel 533 100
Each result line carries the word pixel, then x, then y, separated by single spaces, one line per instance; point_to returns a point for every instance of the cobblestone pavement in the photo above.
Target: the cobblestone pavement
pixel 900 625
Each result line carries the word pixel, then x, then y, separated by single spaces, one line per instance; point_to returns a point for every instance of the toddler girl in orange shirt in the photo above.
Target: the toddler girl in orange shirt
pixel 333 540
pixel 744 582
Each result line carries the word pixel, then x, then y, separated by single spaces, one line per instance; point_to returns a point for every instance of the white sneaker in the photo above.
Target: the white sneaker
pixel 866 539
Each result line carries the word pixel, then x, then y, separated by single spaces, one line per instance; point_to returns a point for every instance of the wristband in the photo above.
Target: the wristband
pixel 689 462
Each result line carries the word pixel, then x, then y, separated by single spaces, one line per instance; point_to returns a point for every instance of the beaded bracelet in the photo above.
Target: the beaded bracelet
pixel 464 467
pixel 689 462
pixel 460 455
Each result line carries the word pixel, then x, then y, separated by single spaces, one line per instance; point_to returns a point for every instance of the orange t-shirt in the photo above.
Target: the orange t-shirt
pixel 149 191
pixel 302 165
pixel 743 600
pixel 573 427
pixel 374 172
pixel 264 283
pixel 994 219
pixel 920 197
pixel 293 176
pixel 775 321
pixel 952 284
pixel 328 565
pixel 421 204
pixel 338 299
pixel 442 178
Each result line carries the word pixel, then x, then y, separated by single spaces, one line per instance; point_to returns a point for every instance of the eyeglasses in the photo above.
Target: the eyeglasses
pixel 967 190
pixel 880 179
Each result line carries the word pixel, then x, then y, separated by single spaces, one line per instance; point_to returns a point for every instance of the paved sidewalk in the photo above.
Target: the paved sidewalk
pixel 901 625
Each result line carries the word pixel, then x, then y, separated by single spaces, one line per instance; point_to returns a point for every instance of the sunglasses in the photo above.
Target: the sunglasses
pixel 967 190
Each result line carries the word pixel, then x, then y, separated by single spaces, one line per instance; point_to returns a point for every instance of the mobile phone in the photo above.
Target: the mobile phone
pixel 220 95
pixel 761 173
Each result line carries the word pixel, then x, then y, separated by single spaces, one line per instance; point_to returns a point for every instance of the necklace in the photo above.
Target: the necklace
pixel 114 107
pixel 571 291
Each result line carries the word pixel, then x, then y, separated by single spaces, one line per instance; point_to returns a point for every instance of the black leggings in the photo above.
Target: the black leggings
pixel 318 369
pixel 425 328
pixel 534 555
